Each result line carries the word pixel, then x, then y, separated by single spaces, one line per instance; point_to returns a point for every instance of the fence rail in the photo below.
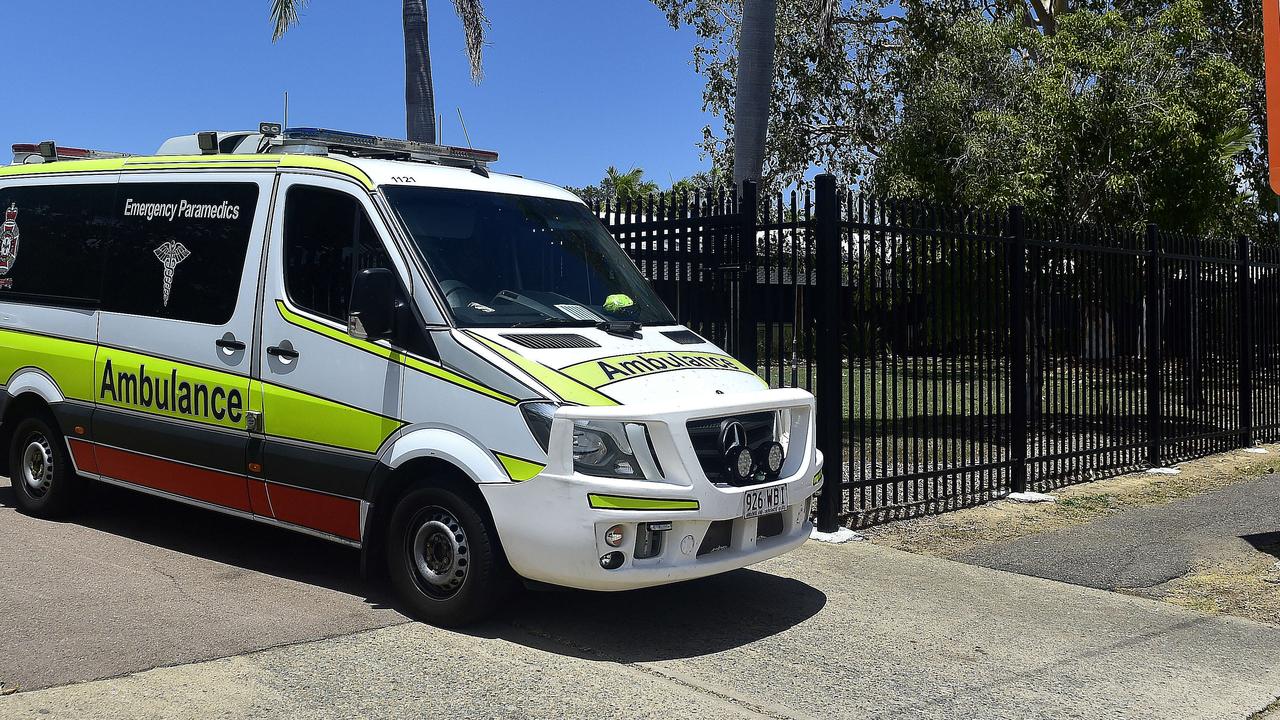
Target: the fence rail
pixel 958 355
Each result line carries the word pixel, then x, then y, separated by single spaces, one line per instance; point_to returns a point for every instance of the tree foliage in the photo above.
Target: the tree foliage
pixel 632 186
pixel 625 187
pixel 827 107
pixel 1117 111
pixel 1115 117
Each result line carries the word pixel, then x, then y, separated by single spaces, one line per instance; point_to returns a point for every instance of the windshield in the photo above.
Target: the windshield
pixel 518 261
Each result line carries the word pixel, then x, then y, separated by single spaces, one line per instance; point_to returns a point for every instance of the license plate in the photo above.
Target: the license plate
pixel 764 501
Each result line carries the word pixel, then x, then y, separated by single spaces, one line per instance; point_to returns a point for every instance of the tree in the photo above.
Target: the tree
pixel 708 183
pixel 1115 118
pixel 756 44
pixel 617 186
pixel 1124 110
pixel 420 103
pixel 826 106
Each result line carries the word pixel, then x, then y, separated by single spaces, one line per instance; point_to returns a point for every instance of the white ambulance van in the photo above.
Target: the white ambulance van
pixel 386 345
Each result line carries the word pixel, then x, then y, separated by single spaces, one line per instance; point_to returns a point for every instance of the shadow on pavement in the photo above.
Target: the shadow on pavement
pixel 1265 542
pixel 243 544
pixel 670 622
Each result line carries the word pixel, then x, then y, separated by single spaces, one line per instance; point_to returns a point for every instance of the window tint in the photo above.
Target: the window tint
pixel 327 240
pixel 52 241
pixel 180 249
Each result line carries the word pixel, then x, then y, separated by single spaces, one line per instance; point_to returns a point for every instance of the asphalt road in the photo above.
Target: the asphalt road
pixel 135 582
pixel 1145 547
pixel 828 631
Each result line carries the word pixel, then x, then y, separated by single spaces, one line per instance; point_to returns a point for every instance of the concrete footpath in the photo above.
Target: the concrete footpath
pixel 856 631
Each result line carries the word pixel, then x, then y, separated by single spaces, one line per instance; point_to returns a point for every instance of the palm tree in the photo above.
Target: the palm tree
pixel 756 43
pixel 419 91
pixel 627 187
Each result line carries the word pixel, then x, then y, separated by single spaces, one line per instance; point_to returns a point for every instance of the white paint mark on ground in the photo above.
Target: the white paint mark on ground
pixel 839 537
pixel 1032 497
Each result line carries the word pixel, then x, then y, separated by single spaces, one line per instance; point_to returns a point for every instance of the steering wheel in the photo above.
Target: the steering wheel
pixel 458 294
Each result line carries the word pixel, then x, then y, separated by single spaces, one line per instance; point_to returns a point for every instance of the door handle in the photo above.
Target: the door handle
pixel 281 352
pixel 230 344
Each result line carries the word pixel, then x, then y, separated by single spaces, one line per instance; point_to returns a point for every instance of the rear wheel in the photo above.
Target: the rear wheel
pixel 44 483
pixel 444 560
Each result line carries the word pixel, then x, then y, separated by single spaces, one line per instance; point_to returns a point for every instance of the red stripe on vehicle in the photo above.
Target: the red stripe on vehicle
pixel 326 513
pixel 83 455
pixel 258 499
pixel 196 483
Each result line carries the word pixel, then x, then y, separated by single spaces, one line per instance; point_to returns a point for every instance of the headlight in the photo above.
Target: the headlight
pixel 600 448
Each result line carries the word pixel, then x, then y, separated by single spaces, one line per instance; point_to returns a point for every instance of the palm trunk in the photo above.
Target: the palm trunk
pixel 419 93
pixel 756 43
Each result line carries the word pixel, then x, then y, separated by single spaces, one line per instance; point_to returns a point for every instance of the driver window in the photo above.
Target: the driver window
pixel 327 239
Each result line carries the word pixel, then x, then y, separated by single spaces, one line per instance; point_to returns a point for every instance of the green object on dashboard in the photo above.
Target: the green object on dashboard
pixel 614 303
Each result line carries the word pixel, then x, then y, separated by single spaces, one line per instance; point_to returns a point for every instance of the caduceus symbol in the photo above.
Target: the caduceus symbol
pixel 170 254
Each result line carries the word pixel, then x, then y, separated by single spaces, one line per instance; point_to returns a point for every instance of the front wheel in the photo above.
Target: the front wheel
pixel 444 560
pixel 44 484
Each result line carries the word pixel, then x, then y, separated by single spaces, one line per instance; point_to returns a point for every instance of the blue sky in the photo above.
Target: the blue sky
pixel 571 86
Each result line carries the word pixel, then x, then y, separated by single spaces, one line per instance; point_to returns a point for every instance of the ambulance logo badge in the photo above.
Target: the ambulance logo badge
pixel 8 244
pixel 170 254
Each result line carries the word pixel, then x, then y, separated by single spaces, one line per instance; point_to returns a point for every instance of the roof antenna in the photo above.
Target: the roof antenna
pixel 465 134
pixel 286 108
pixel 476 167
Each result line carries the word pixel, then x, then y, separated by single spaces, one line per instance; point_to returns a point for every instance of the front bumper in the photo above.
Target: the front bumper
pixel 552 527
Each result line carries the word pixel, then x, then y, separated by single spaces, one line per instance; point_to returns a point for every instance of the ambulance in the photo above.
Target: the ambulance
pixel 387 345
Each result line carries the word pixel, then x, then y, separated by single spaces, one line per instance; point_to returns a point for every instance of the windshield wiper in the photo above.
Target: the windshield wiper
pixel 624 328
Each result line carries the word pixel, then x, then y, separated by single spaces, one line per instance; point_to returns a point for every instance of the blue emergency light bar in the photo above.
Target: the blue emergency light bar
pixel 374 146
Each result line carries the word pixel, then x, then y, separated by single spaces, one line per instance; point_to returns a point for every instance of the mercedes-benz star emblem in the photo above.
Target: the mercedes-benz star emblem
pixel 737 455
pixel 732 436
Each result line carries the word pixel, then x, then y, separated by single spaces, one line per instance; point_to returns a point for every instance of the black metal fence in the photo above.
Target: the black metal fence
pixel 959 355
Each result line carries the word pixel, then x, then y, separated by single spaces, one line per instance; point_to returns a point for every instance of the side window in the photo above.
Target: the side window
pixel 327 240
pixel 52 241
pixel 180 249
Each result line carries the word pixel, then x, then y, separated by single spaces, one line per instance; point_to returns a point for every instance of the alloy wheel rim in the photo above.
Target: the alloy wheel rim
pixel 37 465
pixel 439 553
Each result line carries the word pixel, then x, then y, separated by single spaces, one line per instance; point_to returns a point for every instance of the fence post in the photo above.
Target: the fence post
pixel 830 387
pixel 1245 316
pixel 1018 349
pixel 748 209
pixel 1154 347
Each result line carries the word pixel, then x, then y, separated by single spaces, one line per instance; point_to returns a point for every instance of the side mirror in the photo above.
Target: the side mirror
pixel 372 311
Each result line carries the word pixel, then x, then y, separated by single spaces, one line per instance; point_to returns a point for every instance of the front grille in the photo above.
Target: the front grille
pixel 706 435
pixel 718 536
pixel 769 526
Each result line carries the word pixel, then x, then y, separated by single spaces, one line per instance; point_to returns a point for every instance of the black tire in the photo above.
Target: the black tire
pixel 444 560
pixel 44 483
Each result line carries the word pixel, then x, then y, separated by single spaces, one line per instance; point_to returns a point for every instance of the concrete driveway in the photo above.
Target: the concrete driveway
pixel 828 631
